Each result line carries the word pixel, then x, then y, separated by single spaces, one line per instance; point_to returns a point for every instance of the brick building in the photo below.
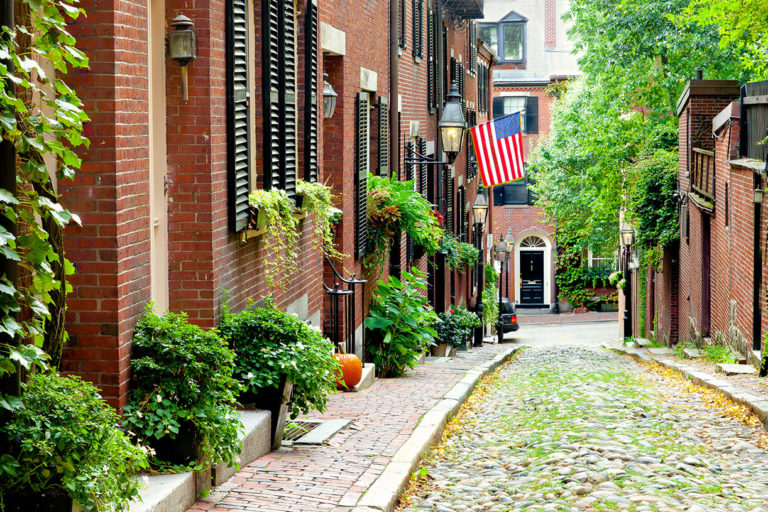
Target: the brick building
pixel 163 188
pixel 533 52
pixel 713 281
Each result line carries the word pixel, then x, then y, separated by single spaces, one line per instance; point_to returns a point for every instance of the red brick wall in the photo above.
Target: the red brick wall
pixel 111 195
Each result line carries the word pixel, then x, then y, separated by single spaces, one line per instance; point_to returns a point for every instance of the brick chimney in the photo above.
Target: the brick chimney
pixel 550 23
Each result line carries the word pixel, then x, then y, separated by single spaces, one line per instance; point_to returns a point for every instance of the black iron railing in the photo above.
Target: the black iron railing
pixel 343 312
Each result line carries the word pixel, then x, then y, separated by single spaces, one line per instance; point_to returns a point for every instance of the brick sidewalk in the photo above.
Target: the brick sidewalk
pixel 567 318
pixel 334 476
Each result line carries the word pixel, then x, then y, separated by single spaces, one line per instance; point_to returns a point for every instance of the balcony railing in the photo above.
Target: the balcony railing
pixel 703 174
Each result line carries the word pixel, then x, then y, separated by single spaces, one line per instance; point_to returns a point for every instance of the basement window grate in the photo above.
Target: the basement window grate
pixel 296 429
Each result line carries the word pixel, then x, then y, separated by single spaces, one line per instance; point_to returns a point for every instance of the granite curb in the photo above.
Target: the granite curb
pixel 756 404
pixel 382 495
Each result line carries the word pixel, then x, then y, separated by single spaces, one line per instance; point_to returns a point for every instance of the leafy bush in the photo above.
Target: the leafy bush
pixel 455 326
pixel 490 306
pixel 271 344
pixel 459 255
pixel 183 374
pixel 283 234
pixel 394 206
pixel 399 324
pixel 63 436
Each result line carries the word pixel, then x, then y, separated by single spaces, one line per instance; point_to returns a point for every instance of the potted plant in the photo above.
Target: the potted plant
pixel 458 255
pixel 400 324
pixel 182 393
pixel 318 198
pixel 276 211
pixel 454 329
pixel 394 207
pixel 281 362
pixel 62 445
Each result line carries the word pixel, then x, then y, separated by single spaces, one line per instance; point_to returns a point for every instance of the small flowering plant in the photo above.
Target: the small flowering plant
pixel 182 376
pixel 272 346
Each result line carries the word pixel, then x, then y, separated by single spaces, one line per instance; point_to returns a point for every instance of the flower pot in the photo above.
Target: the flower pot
pixel 258 219
pixel 180 450
pixel 274 400
pixel 55 500
pixel 564 307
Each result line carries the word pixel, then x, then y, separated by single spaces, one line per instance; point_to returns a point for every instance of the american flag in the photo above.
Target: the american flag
pixel 499 148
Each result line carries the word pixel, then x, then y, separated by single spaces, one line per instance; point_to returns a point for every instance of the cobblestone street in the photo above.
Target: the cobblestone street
pixel 579 428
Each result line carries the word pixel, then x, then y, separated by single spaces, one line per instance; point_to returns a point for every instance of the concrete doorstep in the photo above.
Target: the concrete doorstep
pixel 177 492
pixel 386 489
pixel 756 404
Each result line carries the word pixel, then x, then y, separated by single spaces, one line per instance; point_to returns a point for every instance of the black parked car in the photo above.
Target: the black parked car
pixel 508 316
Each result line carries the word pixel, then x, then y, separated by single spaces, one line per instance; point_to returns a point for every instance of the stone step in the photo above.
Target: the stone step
pixel 369 375
pixel 643 342
pixel 256 443
pixel 735 369
pixel 661 351
pixel 692 353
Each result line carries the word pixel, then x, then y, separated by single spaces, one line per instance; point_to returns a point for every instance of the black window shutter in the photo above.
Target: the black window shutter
pixel 401 25
pixel 310 93
pixel 461 214
pixel 361 219
pixel 498 107
pixel 531 114
pixel 409 172
pixel 472 48
pixel 498 195
pixel 431 61
pixel 423 182
pixel 471 157
pixel 461 81
pixel 272 86
pixel 238 115
pixel 383 136
pixel 290 114
pixel 449 206
pixel 418 28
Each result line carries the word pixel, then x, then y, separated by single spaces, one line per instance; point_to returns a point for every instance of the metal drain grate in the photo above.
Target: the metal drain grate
pixel 297 428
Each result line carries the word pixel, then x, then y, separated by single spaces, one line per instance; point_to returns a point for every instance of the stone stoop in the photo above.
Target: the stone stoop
pixel 369 375
pixel 176 493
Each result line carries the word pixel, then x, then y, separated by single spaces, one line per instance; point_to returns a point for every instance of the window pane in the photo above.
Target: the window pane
pixel 490 34
pixel 514 104
pixel 513 42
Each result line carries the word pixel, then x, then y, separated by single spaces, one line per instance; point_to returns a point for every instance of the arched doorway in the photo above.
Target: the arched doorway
pixel 532 263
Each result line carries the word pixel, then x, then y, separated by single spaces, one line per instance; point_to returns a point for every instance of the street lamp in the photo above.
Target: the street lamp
pixel 182 47
pixel 329 98
pixel 627 239
pixel 510 250
pixel 502 253
pixel 452 125
pixel 479 213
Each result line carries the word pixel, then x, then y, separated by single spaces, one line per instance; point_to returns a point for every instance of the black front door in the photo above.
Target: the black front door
pixel 531 277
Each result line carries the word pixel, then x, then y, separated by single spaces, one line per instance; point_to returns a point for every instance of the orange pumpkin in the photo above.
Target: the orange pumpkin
pixel 351 370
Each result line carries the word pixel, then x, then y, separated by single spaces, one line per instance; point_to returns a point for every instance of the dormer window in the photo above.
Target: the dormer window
pixel 506 37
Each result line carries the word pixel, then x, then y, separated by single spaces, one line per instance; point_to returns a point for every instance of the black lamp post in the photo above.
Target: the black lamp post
pixel 627 239
pixel 479 213
pixel 502 253
pixel 510 250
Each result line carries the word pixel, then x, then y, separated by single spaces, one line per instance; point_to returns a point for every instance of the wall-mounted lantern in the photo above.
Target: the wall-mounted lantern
pixel 452 125
pixel 182 46
pixel 329 98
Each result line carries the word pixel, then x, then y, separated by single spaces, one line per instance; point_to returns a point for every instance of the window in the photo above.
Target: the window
pixel 506 37
pixel 505 105
pixel 684 222
pixel 490 35
pixel 472 48
pixel 515 193
pixel 482 88
pixel 418 28
pixel 601 259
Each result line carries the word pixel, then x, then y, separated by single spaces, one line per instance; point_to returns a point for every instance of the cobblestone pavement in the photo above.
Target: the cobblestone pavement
pixel 575 428
pixel 332 477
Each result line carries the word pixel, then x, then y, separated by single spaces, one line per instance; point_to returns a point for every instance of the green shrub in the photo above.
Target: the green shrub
pixel 455 326
pixel 399 324
pixel 64 437
pixel 183 374
pixel 459 255
pixel 271 344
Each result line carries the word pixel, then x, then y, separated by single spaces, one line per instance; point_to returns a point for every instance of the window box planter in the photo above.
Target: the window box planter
pixel 274 400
